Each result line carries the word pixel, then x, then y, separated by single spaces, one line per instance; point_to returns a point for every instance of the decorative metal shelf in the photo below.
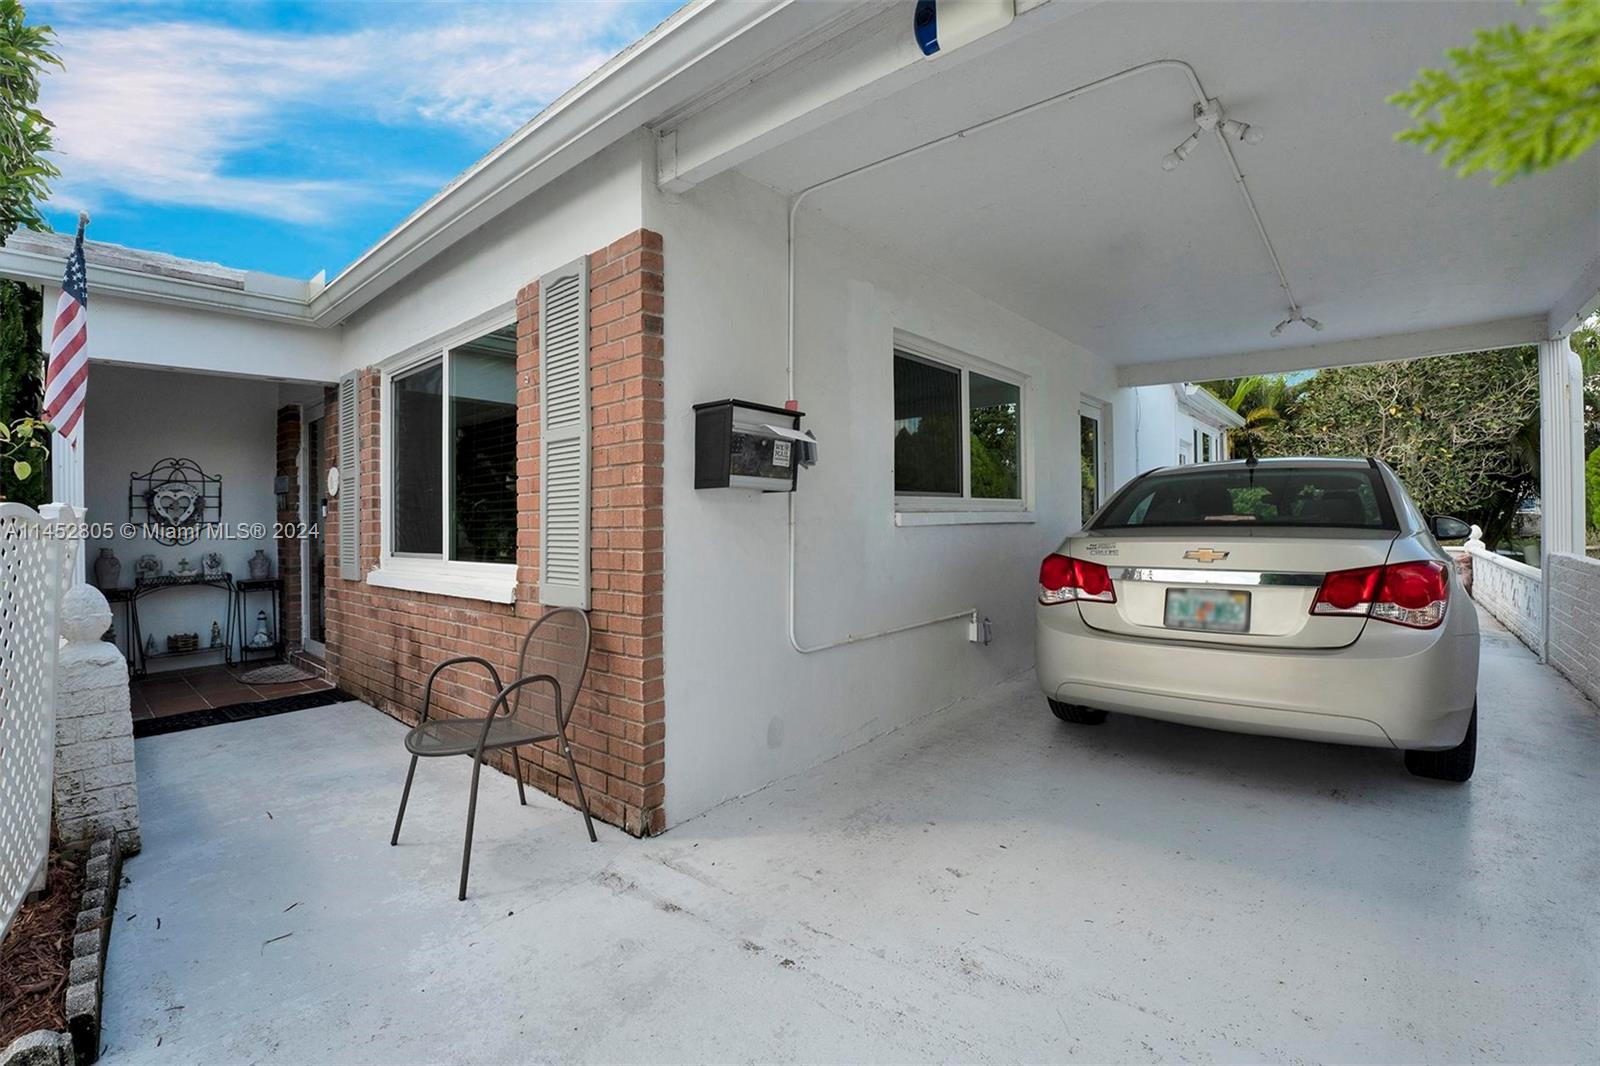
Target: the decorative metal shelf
pixel 173 500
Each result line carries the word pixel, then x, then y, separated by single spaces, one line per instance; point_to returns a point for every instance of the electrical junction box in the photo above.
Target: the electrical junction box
pixel 742 445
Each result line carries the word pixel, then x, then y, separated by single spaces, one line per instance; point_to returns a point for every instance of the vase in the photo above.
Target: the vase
pixel 107 570
pixel 260 566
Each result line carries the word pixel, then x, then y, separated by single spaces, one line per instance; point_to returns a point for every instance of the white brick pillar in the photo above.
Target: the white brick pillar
pixel 94 775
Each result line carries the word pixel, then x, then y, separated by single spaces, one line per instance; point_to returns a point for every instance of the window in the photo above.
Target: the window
pixel 1205 447
pixel 957 434
pixel 1274 497
pixel 453 454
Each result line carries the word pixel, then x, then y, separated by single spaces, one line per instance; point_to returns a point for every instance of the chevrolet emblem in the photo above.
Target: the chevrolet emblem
pixel 1205 555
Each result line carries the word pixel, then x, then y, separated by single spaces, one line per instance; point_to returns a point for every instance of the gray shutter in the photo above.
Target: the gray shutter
pixel 349 481
pixel 564 436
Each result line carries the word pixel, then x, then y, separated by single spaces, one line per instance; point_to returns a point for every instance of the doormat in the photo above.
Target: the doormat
pixel 243 712
pixel 276 674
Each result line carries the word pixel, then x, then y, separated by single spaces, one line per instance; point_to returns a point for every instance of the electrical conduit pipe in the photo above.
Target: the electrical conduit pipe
pixel 1188 72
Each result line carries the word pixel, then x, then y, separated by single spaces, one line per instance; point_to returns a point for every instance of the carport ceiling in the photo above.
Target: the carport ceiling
pixel 1066 216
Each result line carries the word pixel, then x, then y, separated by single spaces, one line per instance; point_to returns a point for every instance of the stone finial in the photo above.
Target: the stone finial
pixel 85 614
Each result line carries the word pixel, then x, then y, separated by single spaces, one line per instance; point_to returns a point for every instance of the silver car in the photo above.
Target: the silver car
pixel 1292 597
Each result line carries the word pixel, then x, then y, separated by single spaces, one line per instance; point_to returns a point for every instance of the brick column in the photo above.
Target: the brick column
pixel 289 569
pixel 619 727
pixel 382 643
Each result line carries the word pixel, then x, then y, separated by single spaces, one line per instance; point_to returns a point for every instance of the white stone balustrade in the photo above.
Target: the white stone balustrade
pixel 94 772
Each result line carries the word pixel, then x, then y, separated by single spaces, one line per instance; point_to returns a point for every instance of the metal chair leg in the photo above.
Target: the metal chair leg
pixel 404 795
pixel 516 761
pixel 577 785
pixel 472 811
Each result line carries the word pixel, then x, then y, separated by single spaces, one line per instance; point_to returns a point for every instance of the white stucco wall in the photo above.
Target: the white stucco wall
pixel 135 418
pixel 743 707
pixel 586 209
pixel 168 336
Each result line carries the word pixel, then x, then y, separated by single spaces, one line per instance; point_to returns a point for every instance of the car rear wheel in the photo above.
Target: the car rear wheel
pixel 1452 764
pixel 1077 713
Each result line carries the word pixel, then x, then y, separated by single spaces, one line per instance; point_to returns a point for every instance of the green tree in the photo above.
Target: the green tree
pixel 25 171
pixel 1455 429
pixel 1518 101
pixel 1264 401
pixel 1591 478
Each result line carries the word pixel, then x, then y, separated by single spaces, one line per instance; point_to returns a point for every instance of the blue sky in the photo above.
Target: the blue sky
pixel 290 137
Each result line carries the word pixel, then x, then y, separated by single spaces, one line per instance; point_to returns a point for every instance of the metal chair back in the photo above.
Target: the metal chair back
pixel 557 646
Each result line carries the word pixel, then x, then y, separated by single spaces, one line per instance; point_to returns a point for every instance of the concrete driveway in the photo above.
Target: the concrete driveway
pixel 987 884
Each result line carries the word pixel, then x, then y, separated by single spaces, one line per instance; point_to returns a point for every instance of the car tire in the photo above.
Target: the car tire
pixel 1077 714
pixel 1451 764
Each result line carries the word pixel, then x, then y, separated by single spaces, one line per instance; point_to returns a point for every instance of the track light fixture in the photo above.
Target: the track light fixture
pixel 1296 315
pixel 1207 117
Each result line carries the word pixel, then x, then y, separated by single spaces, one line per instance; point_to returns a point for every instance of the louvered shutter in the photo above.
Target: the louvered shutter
pixel 564 436
pixel 349 482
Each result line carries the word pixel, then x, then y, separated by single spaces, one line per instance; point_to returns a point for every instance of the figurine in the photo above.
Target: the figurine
pixel 185 568
pixel 263 637
pixel 216 634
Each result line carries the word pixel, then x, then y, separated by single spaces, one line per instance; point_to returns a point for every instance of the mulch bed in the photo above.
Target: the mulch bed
pixel 37 953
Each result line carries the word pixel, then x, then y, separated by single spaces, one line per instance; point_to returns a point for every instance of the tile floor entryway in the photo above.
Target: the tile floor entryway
pixel 159 695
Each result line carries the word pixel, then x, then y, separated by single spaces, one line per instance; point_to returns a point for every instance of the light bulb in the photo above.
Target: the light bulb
pixel 1174 158
pixel 1253 135
pixel 1313 323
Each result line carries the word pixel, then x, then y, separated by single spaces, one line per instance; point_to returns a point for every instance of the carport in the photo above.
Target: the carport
pixel 1189 191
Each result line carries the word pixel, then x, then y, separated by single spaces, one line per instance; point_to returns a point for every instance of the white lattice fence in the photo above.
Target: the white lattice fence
pixel 37 557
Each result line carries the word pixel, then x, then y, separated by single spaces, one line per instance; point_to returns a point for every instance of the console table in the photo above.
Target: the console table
pixel 143 587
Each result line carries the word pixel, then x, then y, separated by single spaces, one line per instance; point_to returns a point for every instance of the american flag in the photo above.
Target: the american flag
pixel 66 381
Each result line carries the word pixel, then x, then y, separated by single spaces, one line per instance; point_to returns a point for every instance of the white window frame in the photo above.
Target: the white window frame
pixel 439 574
pixel 914 510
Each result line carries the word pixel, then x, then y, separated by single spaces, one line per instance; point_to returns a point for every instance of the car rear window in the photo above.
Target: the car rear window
pixel 1274 497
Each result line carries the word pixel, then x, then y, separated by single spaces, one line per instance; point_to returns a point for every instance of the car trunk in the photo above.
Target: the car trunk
pixel 1177 583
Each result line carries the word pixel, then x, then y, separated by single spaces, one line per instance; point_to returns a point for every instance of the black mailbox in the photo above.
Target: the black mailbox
pixel 741 445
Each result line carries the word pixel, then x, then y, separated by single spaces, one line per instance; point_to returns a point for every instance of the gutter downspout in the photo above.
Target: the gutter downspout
pixel 1201 98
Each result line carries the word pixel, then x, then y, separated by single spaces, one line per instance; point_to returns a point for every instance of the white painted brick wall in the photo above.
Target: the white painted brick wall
pixel 1575 620
pixel 1511 591
pixel 94 771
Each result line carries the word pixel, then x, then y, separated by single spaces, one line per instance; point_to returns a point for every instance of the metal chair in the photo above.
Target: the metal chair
pixel 550 669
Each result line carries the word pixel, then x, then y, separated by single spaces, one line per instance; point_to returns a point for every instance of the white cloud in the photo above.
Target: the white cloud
pixel 162 111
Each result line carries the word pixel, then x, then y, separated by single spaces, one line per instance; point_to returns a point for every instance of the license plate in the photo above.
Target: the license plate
pixel 1212 610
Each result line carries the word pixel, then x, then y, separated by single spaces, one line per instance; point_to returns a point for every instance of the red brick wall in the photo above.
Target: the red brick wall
pixel 288 517
pixel 382 643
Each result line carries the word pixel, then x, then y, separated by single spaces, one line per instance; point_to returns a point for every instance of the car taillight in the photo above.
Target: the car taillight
pixel 1406 594
pixel 1063 579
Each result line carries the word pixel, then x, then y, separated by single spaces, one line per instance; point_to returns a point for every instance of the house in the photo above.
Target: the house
pixel 792 205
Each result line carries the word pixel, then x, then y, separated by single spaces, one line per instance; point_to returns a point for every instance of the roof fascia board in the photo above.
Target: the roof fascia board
pixel 41 268
pixel 1580 301
pixel 1204 405
pixel 862 60
pixel 1450 340
pixel 594 114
